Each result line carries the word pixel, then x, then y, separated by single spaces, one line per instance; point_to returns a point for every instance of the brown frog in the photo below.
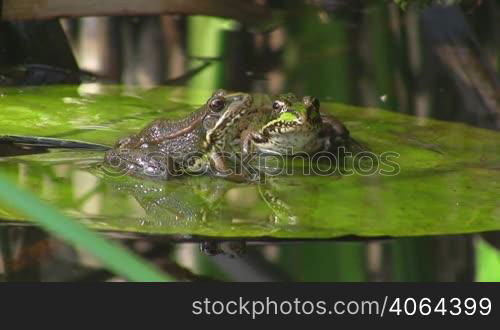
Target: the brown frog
pixel 167 148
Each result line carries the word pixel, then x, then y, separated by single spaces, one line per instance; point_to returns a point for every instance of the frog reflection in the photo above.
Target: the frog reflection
pixel 201 207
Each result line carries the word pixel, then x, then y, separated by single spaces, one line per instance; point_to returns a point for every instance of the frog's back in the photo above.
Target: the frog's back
pixel 183 144
pixel 165 129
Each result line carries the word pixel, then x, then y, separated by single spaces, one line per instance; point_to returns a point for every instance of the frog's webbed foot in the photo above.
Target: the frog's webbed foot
pixel 282 212
pixel 247 140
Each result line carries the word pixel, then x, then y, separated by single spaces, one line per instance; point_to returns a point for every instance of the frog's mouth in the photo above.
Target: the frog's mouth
pixel 282 127
pixel 289 122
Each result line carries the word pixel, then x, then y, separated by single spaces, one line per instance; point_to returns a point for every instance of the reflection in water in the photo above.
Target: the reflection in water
pixel 29 254
pixel 183 205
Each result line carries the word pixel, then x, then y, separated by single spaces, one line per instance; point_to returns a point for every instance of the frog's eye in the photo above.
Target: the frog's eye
pixel 277 105
pixel 217 104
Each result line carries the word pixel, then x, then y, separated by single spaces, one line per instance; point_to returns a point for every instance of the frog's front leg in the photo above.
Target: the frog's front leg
pixel 247 141
pixel 219 164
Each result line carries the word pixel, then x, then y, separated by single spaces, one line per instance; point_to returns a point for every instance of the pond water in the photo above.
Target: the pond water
pixel 430 178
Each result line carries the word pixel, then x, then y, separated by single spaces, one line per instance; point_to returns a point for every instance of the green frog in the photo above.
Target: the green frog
pixel 296 127
pixel 191 145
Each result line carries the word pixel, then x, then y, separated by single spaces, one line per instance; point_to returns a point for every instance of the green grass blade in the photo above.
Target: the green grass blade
pixel 114 257
pixel 488 263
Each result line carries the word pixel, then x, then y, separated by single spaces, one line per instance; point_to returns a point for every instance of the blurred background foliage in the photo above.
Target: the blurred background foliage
pixel 427 61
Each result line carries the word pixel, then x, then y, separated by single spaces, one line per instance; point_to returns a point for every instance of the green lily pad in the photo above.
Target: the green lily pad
pixel 430 178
